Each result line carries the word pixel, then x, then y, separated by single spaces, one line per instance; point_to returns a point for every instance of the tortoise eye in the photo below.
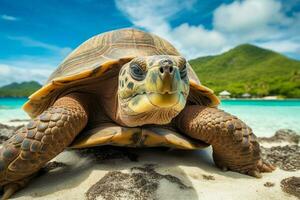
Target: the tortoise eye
pixel 183 72
pixel 136 72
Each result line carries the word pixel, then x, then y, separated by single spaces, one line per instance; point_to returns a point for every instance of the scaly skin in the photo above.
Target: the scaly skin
pixel 39 141
pixel 234 145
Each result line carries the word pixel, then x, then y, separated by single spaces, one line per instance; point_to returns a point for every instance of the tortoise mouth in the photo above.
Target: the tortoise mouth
pixel 145 102
pixel 149 93
pixel 165 99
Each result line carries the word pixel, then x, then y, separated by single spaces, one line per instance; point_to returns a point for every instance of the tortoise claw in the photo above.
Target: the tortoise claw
pixel 261 167
pixel 265 167
pixel 9 190
pixel 255 173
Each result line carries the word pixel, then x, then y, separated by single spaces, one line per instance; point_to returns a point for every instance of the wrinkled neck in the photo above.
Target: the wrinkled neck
pixel 108 100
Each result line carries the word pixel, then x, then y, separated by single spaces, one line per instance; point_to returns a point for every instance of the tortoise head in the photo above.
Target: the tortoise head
pixel 152 89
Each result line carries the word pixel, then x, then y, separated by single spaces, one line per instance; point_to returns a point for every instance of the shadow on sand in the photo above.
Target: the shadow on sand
pixel 130 167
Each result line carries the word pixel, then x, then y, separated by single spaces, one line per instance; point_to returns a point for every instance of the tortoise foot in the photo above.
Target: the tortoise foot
pixel 254 170
pixel 238 149
pixel 235 147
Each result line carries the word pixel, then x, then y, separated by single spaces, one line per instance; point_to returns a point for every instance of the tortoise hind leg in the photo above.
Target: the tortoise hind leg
pixel 39 141
pixel 234 145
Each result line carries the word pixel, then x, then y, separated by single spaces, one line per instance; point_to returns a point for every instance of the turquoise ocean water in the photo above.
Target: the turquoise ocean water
pixel 263 116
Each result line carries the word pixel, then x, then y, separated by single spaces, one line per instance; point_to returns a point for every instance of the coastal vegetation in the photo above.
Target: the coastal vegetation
pixel 23 89
pixel 250 69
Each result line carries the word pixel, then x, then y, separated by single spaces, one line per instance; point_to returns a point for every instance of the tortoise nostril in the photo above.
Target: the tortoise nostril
pixel 161 70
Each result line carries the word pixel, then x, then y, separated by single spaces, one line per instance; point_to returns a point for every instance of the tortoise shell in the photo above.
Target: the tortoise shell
pixel 100 53
pixel 92 60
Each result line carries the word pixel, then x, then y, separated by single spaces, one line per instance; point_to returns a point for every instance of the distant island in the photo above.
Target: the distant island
pixel 23 89
pixel 248 69
pixel 245 69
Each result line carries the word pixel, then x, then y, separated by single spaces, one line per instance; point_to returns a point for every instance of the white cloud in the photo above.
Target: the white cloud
pixel 154 16
pixel 262 22
pixel 246 16
pixel 151 16
pixel 286 46
pixel 9 18
pixel 24 70
pixel 26 41
pixel 27 68
pixel 196 40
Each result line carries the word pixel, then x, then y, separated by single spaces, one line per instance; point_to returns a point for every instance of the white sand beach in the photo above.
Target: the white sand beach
pixel 163 175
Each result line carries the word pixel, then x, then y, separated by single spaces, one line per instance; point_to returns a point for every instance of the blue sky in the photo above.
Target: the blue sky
pixel 36 35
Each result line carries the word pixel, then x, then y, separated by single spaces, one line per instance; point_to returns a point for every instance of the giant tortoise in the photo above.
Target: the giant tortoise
pixel 126 88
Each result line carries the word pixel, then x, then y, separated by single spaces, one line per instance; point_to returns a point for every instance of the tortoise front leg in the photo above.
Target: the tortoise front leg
pixel 235 147
pixel 39 141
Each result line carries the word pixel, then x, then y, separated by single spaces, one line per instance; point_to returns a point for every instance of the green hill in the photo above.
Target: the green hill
pixel 23 89
pixel 251 69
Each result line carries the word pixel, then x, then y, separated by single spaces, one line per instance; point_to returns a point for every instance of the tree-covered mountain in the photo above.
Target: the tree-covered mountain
pixel 23 89
pixel 250 69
